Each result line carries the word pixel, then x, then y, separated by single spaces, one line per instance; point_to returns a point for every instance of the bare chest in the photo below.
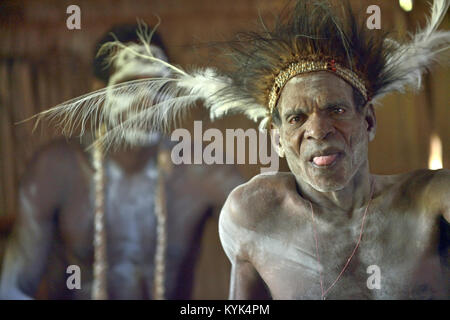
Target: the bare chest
pixel 130 226
pixel 397 258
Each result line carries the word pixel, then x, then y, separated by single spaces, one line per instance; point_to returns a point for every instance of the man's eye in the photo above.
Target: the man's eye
pixel 294 119
pixel 338 110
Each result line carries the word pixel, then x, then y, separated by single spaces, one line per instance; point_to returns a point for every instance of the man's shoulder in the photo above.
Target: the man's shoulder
pixel 250 210
pixel 60 150
pixel 431 185
pixel 421 188
pixel 420 180
pixel 55 158
pixel 257 199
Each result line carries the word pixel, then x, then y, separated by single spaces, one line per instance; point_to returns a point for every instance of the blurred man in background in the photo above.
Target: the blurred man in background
pixel 59 198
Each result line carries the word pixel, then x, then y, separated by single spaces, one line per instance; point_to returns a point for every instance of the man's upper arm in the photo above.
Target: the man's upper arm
pixel 236 238
pixel 29 243
pixel 439 192
pixel 246 283
pixel 446 194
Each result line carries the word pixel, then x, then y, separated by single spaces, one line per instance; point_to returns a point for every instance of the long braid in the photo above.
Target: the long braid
pixel 99 284
pixel 161 229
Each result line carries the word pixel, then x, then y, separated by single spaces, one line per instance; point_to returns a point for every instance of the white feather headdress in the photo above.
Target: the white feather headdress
pixel 408 62
pixel 159 104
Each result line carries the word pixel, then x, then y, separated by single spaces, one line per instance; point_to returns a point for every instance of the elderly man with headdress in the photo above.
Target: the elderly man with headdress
pixel 126 217
pixel 329 229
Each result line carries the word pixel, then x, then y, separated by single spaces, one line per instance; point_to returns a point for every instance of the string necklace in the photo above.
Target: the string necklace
pixel 325 292
pixel 99 289
pixel 99 283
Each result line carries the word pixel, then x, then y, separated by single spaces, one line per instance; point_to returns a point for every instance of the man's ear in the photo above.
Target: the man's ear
pixel 276 140
pixel 371 121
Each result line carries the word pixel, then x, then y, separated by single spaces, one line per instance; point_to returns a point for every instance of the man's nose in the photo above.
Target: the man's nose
pixel 318 127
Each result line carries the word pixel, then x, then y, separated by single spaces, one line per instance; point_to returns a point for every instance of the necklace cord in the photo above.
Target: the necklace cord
pixel 161 232
pixel 99 283
pixel 324 293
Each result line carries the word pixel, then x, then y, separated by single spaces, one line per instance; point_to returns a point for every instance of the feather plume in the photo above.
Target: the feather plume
pixel 311 30
pixel 154 105
pixel 406 63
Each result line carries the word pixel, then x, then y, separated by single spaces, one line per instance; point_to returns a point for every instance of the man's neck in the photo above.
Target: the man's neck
pixel 355 195
pixel 134 159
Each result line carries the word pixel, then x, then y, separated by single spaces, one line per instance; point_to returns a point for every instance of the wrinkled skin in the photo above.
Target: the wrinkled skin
pixel 54 227
pixel 267 225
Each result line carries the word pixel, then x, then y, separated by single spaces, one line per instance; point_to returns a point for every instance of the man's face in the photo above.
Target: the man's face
pixel 325 139
pixel 127 66
pixel 126 105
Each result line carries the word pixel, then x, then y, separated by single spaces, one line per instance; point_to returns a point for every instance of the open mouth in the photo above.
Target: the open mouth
pixel 325 159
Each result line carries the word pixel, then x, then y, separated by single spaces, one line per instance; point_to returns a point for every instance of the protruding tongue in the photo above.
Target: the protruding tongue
pixel 324 160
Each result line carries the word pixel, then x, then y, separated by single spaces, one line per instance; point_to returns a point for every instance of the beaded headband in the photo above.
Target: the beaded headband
pixel 305 66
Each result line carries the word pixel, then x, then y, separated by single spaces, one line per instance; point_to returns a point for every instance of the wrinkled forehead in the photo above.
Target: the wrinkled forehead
pixel 315 88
